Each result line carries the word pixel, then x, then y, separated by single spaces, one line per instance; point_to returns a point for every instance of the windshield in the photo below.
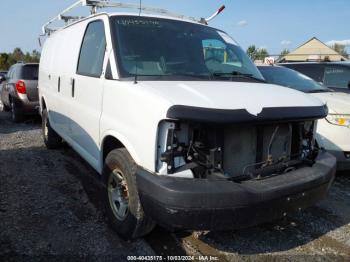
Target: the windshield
pixel 167 48
pixel 290 78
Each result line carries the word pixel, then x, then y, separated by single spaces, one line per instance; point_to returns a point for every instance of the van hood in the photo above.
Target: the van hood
pixel 253 97
pixel 337 102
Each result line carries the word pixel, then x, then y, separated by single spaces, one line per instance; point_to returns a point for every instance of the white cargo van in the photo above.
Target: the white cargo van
pixel 179 123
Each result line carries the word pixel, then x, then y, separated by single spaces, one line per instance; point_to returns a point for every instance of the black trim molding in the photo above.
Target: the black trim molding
pixel 242 116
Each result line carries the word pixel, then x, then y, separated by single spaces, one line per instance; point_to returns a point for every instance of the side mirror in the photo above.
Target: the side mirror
pixel 349 85
pixel 2 79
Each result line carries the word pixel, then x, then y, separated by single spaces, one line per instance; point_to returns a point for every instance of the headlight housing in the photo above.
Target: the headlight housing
pixel 339 120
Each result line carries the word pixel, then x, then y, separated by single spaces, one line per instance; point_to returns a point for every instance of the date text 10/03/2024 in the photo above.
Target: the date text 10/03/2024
pixel 172 258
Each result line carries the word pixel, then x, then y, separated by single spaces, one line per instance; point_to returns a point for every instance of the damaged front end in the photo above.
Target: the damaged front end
pixel 229 169
pixel 233 151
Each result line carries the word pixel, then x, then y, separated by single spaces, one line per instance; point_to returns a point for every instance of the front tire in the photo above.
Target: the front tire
pixel 51 139
pixel 123 205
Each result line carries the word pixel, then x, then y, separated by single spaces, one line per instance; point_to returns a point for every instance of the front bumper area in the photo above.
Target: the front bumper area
pixel 201 204
pixel 343 161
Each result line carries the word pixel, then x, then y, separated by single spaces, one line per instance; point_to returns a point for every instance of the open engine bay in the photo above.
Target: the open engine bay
pixel 235 152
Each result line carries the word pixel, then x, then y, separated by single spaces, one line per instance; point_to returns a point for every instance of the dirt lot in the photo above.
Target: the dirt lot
pixel 51 207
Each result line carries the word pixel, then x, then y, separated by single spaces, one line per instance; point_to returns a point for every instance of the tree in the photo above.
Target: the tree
pixel 284 53
pixel 252 52
pixel 257 53
pixel 262 53
pixel 4 63
pixel 340 49
pixel 8 59
pixel 35 56
pixel 18 55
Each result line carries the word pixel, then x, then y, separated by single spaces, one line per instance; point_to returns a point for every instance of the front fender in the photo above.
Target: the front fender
pixel 123 140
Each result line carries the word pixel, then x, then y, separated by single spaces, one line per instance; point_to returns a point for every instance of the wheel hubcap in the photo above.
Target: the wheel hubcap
pixel 118 194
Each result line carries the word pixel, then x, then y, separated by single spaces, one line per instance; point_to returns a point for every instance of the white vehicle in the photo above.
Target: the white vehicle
pixel 180 139
pixel 333 132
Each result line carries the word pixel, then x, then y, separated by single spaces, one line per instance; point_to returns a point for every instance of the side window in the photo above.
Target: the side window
pixel 337 76
pixel 17 72
pixel 13 72
pixel 9 73
pixel 92 50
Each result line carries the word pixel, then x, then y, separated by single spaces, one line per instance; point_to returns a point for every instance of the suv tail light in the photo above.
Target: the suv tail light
pixel 21 87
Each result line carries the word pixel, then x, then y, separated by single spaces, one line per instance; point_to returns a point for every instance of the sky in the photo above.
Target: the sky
pixel 271 24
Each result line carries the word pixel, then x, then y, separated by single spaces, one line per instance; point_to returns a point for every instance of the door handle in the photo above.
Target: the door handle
pixel 59 85
pixel 73 86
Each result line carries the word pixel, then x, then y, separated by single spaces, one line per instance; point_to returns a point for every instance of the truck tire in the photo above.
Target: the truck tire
pixel 52 140
pixel 123 206
pixel 16 114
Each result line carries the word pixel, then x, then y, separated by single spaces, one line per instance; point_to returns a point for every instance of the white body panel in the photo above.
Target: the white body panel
pixel 330 136
pixel 131 112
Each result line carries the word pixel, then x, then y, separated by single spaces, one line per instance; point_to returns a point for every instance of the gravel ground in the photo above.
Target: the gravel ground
pixel 49 202
pixel 51 207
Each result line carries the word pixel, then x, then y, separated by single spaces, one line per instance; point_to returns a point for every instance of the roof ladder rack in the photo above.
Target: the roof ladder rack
pixel 99 4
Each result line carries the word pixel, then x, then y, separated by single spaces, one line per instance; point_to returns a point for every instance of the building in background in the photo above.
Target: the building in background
pixel 313 50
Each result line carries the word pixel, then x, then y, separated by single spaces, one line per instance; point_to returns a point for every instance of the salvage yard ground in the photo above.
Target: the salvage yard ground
pixel 51 206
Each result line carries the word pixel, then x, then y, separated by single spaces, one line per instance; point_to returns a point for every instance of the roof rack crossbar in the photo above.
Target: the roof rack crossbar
pixel 99 4
pixel 47 30
pixel 147 9
pixel 68 19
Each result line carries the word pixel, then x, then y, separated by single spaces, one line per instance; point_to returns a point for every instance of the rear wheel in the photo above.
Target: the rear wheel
pixel 16 114
pixel 52 140
pixel 123 204
pixel 5 108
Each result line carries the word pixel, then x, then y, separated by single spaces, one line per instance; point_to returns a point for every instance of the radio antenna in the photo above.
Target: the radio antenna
pixel 207 20
pixel 140 7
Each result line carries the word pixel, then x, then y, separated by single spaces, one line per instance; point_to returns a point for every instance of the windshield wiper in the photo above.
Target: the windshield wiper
pixel 179 76
pixel 201 76
pixel 237 74
pixel 320 91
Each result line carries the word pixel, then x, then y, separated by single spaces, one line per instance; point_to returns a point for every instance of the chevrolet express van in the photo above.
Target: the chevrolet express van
pixel 182 139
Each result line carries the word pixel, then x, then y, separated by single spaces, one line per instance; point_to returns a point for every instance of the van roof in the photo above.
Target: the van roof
pixel 144 11
pixel 184 18
pixel 112 14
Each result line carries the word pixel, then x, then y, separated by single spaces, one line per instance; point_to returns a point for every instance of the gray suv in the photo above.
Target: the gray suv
pixel 19 90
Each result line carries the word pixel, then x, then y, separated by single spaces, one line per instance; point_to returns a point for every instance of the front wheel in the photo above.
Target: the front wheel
pixel 123 206
pixel 52 140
